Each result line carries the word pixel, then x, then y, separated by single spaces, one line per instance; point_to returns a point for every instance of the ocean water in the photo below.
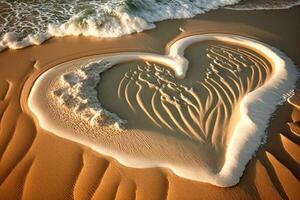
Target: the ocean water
pixel 31 22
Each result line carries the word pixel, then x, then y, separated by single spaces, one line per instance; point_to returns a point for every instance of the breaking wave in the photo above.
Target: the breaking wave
pixel 24 23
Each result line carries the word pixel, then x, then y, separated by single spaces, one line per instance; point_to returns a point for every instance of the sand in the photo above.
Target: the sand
pixel 36 165
pixel 217 122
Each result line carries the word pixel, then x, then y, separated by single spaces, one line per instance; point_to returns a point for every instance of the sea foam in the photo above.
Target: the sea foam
pixel 25 23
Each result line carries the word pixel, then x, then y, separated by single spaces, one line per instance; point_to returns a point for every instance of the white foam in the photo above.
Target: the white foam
pixel 77 92
pixel 184 158
pixel 112 18
pixel 23 24
pixel 12 41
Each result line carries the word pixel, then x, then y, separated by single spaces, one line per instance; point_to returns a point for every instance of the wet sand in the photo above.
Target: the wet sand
pixel 35 164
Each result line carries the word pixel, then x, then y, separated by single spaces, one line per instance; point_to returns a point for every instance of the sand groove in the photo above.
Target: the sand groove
pixel 18 180
pixel 157 181
pixel 292 149
pixel 90 177
pixel 17 133
pixel 280 157
pixel 295 129
pixel 11 107
pixel 123 187
pixel 27 170
pixel 198 109
pixel 285 158
pixel 11 157
pixel 4 90
pixel 109 184
pixel 288 177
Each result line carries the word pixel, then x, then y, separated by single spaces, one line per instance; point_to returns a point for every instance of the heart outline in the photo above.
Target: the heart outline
pixel 240 149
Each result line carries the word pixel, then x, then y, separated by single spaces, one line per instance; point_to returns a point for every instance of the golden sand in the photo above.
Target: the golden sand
pixel 36 165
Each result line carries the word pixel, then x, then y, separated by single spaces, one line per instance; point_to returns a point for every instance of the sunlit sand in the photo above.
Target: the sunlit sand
pixel 221 116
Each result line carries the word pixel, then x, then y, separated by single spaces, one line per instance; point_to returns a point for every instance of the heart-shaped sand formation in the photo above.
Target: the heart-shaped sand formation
pixel 216 124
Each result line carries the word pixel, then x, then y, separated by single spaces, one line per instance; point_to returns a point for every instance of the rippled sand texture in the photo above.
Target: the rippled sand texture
pixel 26 150
pixel 198 107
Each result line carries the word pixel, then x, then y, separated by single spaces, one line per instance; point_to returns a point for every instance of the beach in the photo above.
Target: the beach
pixel 36 164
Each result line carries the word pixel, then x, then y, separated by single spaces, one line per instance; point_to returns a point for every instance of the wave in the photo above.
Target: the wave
pixel 24 23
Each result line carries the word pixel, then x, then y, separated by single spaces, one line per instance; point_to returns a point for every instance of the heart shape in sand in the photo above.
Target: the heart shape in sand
pixel 65 100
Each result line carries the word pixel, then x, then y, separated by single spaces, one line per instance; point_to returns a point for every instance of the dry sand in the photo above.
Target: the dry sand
pixel 38 165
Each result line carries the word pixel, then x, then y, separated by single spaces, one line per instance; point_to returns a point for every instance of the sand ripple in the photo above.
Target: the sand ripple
pixel 199 109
